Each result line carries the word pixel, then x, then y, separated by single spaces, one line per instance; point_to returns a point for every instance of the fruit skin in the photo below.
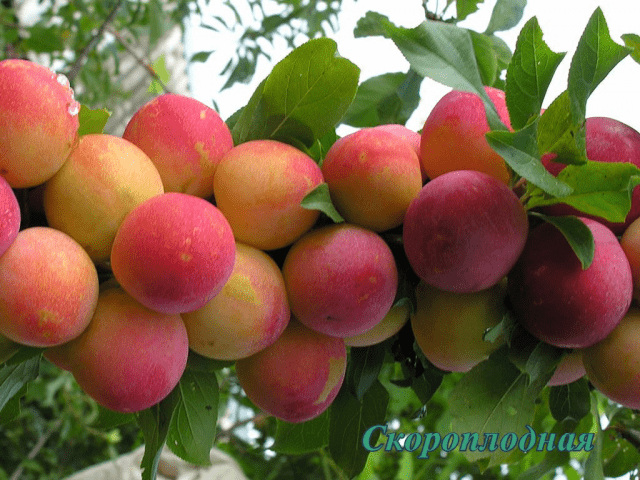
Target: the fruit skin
pixel 464 231
pixel 570 369
pixel 38 122
pixel 560 303
pixel 410 136
pixel 248 314
pixel 391 324
pixel 613 364
pixel 10 216
pixel 448 327
pixel 267 215
pixel 103 179
pixel 173 253
pixel 372 175
pixel 607 140
pixel 48 288
pixel 297 377
pixel 341 279
pixel 630 243
pixel 184 138
pixel 129 358
pixel 453 136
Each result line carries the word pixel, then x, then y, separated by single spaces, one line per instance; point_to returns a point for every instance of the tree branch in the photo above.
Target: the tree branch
pixel 36 448
pixel 77 65
pixel 141 61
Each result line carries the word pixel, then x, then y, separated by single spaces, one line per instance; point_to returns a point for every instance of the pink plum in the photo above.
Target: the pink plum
pixel 464 231
pixel 560 303
pixel 297 377
pixel 48 288
pixel 184 138
pixel 248 314
pixel 38 122
pixel 9 216
pixel 341 279
pixel 373 175
pixel 173 253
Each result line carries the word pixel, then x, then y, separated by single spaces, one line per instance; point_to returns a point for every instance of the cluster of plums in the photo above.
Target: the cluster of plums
pixel 188 223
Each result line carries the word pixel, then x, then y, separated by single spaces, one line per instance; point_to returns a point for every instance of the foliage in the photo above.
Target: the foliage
pixel 391 384
pixel 86 40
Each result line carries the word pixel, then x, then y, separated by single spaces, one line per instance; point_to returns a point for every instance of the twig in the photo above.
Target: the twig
pixel 36 448
pixel 226 433
pixel 148 68
pixel 77 65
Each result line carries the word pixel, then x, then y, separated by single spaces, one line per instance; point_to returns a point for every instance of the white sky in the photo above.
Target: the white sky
pixel 562 22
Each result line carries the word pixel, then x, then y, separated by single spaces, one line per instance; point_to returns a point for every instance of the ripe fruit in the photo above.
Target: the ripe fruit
pixel 413 138
pixel 341 279
pixel 48 288
pixel 630 243
pixel 607 140
pixel 391 324
pixel 129 358
pixel 38 122
pixel 449 327
pixel 559 302
pixel 613 364
pixel 9 216
pixel 259 186
pixel 103 179
pixel 173 253
pixel 453 137
pixel 297 377
pixel 372 175
pixel 464 231
pixel 184 138
pixel 570 369
pixel 248 314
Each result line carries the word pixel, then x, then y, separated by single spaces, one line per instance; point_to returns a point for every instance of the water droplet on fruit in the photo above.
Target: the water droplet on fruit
pixel 63 80
pixel 74 109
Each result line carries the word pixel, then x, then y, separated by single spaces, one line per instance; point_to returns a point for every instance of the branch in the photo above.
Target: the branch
pixel 77 65
pixel 36 448
pixel 226 433
pixel 141 61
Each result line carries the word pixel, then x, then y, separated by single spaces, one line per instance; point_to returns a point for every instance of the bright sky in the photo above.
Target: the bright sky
pixel 562 22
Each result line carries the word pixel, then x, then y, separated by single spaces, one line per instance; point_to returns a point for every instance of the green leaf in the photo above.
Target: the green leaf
pixel 603 189
pixel 486 57
pixel 200 57
pixel 20 369
pixel 577 234
pixel 154 423
pixel 506 14
pixel 427 384
pixel 440 51
pixel 497 397
pixel 299 438
pixel 349 419
pixel 157 22
pixel 386 98
pixel 44 39
pixel 464 8
pixel 593 468
pixel 596 55
pixel 520 150
pixel 320 199
pixel 12 408
pixel 160 69
pixel 303 98
pixel 619 456
pixel 364 367
pixel 632 41
pixel 570 401
pixel 92 121
pixel 529 74
pixel 552 459
pixel 109 419
pixel 558 133
pixel 193 426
